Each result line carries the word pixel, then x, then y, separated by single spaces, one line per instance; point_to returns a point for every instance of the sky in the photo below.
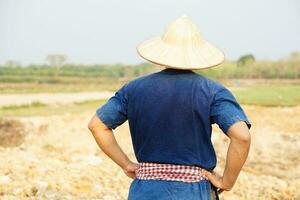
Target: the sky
pixel 107 32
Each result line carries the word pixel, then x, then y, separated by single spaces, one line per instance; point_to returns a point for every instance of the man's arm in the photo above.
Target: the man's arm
pixel 237 154
pixel 108 144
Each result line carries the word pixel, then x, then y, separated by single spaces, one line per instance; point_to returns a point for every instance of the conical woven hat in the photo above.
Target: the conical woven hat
pixel 181 46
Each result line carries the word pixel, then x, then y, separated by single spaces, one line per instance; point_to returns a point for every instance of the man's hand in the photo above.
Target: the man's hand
pixel 130 169
pixel 216 180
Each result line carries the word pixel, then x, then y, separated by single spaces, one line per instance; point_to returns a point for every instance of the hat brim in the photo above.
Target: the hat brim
pixel 201 56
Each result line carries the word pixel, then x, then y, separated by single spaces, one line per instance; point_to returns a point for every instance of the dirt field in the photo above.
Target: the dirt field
pixel 59 159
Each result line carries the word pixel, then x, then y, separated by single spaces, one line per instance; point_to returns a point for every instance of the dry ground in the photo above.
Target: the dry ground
pixel 59 159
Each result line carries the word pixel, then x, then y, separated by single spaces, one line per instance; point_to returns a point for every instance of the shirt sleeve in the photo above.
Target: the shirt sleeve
pixel 114 112
pixel 225 110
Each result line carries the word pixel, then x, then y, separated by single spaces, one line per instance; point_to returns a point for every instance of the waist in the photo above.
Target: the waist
pixel 171 172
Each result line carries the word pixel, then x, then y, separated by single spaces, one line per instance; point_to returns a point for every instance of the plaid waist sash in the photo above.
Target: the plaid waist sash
pixel 161 171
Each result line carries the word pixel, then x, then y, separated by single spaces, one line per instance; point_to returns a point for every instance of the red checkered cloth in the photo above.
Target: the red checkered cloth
pixel 172 172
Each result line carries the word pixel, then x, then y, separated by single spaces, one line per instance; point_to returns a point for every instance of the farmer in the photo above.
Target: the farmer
pixel 170 114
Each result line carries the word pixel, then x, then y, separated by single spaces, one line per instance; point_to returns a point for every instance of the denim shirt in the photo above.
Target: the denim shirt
pixel 170 114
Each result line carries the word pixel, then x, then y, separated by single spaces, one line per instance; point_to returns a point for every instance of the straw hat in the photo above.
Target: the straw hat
pixel 182 47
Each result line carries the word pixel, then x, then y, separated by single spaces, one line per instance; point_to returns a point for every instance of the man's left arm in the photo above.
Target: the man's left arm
pixel 106 141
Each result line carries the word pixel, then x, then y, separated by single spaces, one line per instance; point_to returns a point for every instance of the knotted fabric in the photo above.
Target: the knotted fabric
pixel 171 172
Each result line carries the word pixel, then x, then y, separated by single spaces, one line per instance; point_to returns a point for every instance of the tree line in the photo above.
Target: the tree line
pixel 58 70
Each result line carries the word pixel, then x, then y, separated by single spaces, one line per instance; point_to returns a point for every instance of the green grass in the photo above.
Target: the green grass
pixel 23 88
pixel 269 95
pixel 42 109
pixel 35 104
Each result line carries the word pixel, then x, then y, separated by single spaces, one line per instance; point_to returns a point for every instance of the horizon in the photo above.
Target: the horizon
pixel 67 63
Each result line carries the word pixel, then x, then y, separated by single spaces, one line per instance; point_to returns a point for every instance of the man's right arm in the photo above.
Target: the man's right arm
pixel 237 154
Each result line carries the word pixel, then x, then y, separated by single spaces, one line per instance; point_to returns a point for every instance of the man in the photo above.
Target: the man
pixel 170 113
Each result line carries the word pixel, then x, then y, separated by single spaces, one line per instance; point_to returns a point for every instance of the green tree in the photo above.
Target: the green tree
pixel 12 63
pixel 56 61
pixel 245 60
pixel 295 56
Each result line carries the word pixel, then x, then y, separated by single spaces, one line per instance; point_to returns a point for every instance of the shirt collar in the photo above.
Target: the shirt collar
pixel 175 71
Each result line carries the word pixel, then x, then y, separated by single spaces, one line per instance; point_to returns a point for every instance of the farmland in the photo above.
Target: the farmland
pixel 47 151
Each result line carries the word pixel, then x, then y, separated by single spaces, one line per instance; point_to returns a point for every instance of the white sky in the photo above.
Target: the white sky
pixel 98 31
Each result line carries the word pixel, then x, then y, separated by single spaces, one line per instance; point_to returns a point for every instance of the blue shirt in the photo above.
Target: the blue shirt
pixel 170 114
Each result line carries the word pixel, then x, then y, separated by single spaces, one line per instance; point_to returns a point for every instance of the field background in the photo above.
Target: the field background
pixel 47 151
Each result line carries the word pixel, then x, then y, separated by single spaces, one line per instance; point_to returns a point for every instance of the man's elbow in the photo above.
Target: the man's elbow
pixel 96 124
pixel 91 126
pixel 242 137
pixel 245 138
pixel 240 133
